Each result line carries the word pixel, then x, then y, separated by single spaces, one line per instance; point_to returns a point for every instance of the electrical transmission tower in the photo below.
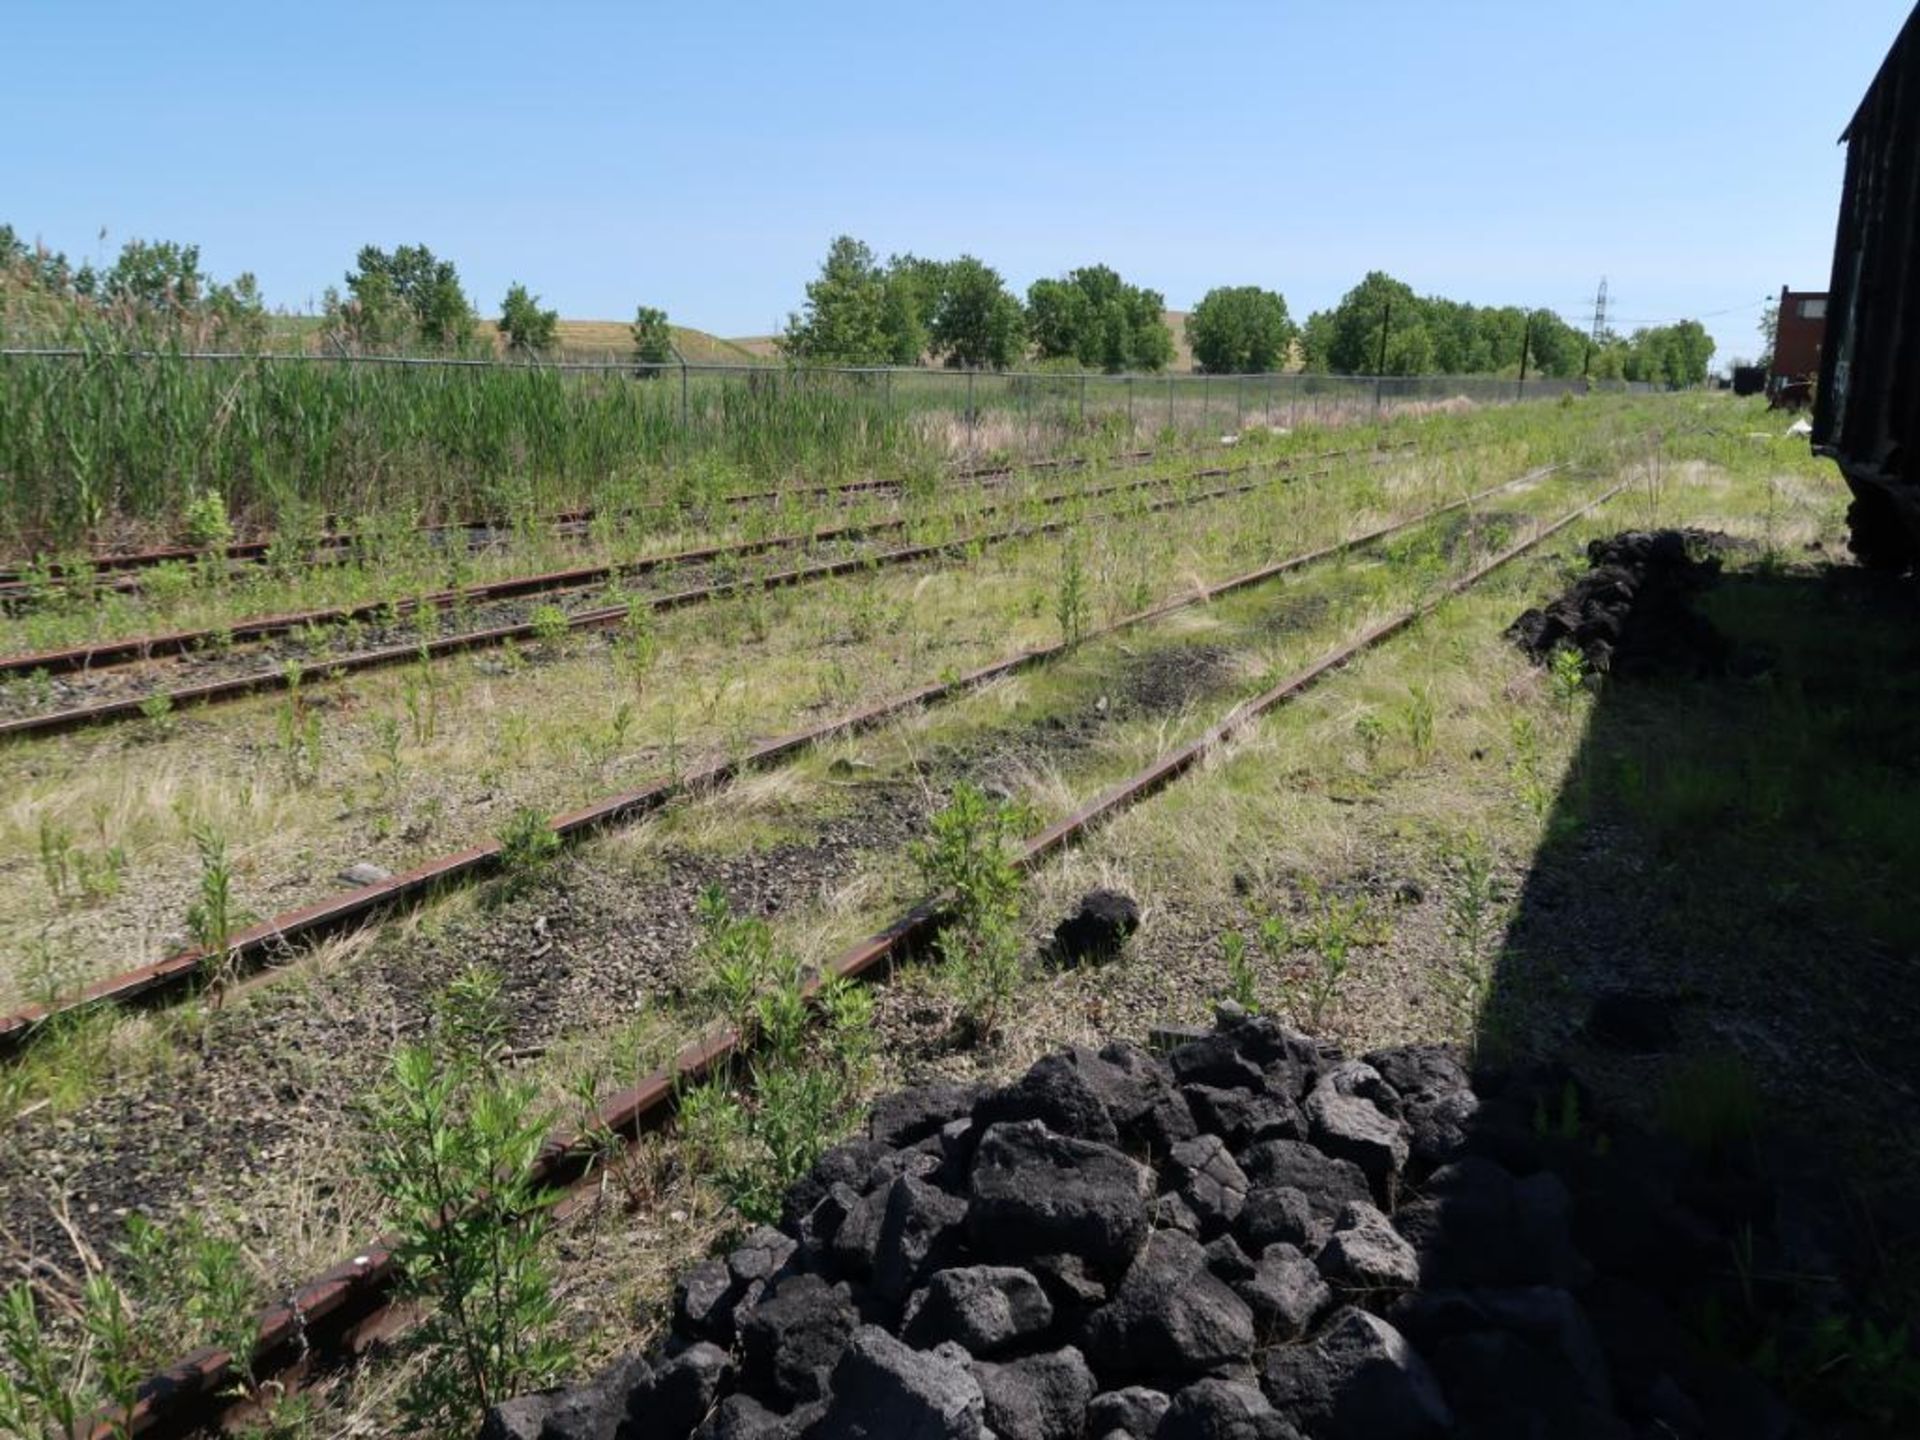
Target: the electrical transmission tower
pixel 1599 332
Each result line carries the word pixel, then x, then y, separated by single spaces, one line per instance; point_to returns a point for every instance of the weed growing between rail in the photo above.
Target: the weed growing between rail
pixel 1351 791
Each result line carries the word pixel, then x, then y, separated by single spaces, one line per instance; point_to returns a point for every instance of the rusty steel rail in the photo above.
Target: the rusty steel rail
pixel 602 617
pixel 193 1391
pixel 258 943
pixel 106 654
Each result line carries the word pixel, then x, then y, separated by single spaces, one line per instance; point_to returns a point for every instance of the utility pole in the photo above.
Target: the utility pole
pixel 1526 344
pixel 1380 366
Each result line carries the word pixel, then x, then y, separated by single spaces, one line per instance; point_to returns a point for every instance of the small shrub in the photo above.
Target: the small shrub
pixel 205 521
pixel 966 860
pixel 528 845
pixel 1711 1102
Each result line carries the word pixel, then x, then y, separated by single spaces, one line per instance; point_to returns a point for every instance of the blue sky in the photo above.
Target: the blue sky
pixel 700 156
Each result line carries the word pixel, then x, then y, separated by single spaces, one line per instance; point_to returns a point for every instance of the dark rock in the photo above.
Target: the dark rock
pixel 1035 1193
pixel 760 1256
pixel 900 1119
pixel 741 1417
pixel 521 1418
pixel 1357 1080
pixel 1543 1236
pixel 1223 1410
pixel 919 1229
pixel 703 1301
pixel 1226 1259
pixel 1243 1117
pixel 1425 1072
pixel 1366 1253
pixel 1215 1060
pixel 1203 1172
pixel 1041 1396
pixel 848 1163
pixel 682 1391
pixel 984 1308
pixel 921 1163
pixel 1285 1293
pixel 792 1339
pixel 1055 1092
pixel 1135 1410
pixel 1359 1380
pixel 882 1390
pixel 1280 1215
pixel 1170 1317
pixel 815 1231
pixel 856 1240
pixel 1327 1182
pixel 1069 1282
pixel 1170 1212
pixel 1139 1094
pixel 1097 930
pixel 1463 1228
pixel 1349 1127
pixel 1438 1128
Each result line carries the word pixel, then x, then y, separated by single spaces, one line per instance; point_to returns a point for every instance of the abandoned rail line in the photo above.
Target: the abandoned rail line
pixel 600 617
pixel 324 1319
pixel 176 975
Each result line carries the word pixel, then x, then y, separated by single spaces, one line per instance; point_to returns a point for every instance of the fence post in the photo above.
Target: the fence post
pixel 1239 401
pixel 1526 344
pixel 1129 411
pixel 683 386
pixel 1169 400
pixel 1083 400
pixel 969 408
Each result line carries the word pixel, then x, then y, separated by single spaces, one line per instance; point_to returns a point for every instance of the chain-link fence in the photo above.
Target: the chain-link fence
pixel 85 433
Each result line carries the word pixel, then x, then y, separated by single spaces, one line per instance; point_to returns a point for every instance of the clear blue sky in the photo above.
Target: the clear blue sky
pixel 699 155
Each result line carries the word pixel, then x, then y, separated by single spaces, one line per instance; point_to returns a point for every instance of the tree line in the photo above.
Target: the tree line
pixel 905 310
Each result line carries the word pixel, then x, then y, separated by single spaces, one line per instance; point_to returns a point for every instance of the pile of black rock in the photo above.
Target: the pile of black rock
pixel 1238 1234
pixel 1632 612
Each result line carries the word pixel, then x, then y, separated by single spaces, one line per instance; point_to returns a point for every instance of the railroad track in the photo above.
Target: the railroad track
pixel 599 617
pixel 323 1318
pixel 120 572
pixel 133 649
pixel 178 974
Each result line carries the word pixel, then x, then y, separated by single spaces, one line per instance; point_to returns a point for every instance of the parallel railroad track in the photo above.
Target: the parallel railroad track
pixel 324 1317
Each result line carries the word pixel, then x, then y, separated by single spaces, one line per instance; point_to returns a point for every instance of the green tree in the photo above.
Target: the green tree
pixel 912 288
pixel 1099 320
pixel 1240 329
pixel 977 324
pixel 410 295
pixel 1348 342
pixel 652 339
pixel 844 320
pixel 529 329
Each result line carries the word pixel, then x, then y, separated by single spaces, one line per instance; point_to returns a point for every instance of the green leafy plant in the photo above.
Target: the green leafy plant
pixel 966 860
pixel 1242 983
pixel 454 1143
pixel 157 711
pixel 528 845
pixel 213 916
pixel 550 627
pixel 1567 673
pixel 1071 604
pixel 205 522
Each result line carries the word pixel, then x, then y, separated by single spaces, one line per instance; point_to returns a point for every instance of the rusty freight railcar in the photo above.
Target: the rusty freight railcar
pixel 1867 404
